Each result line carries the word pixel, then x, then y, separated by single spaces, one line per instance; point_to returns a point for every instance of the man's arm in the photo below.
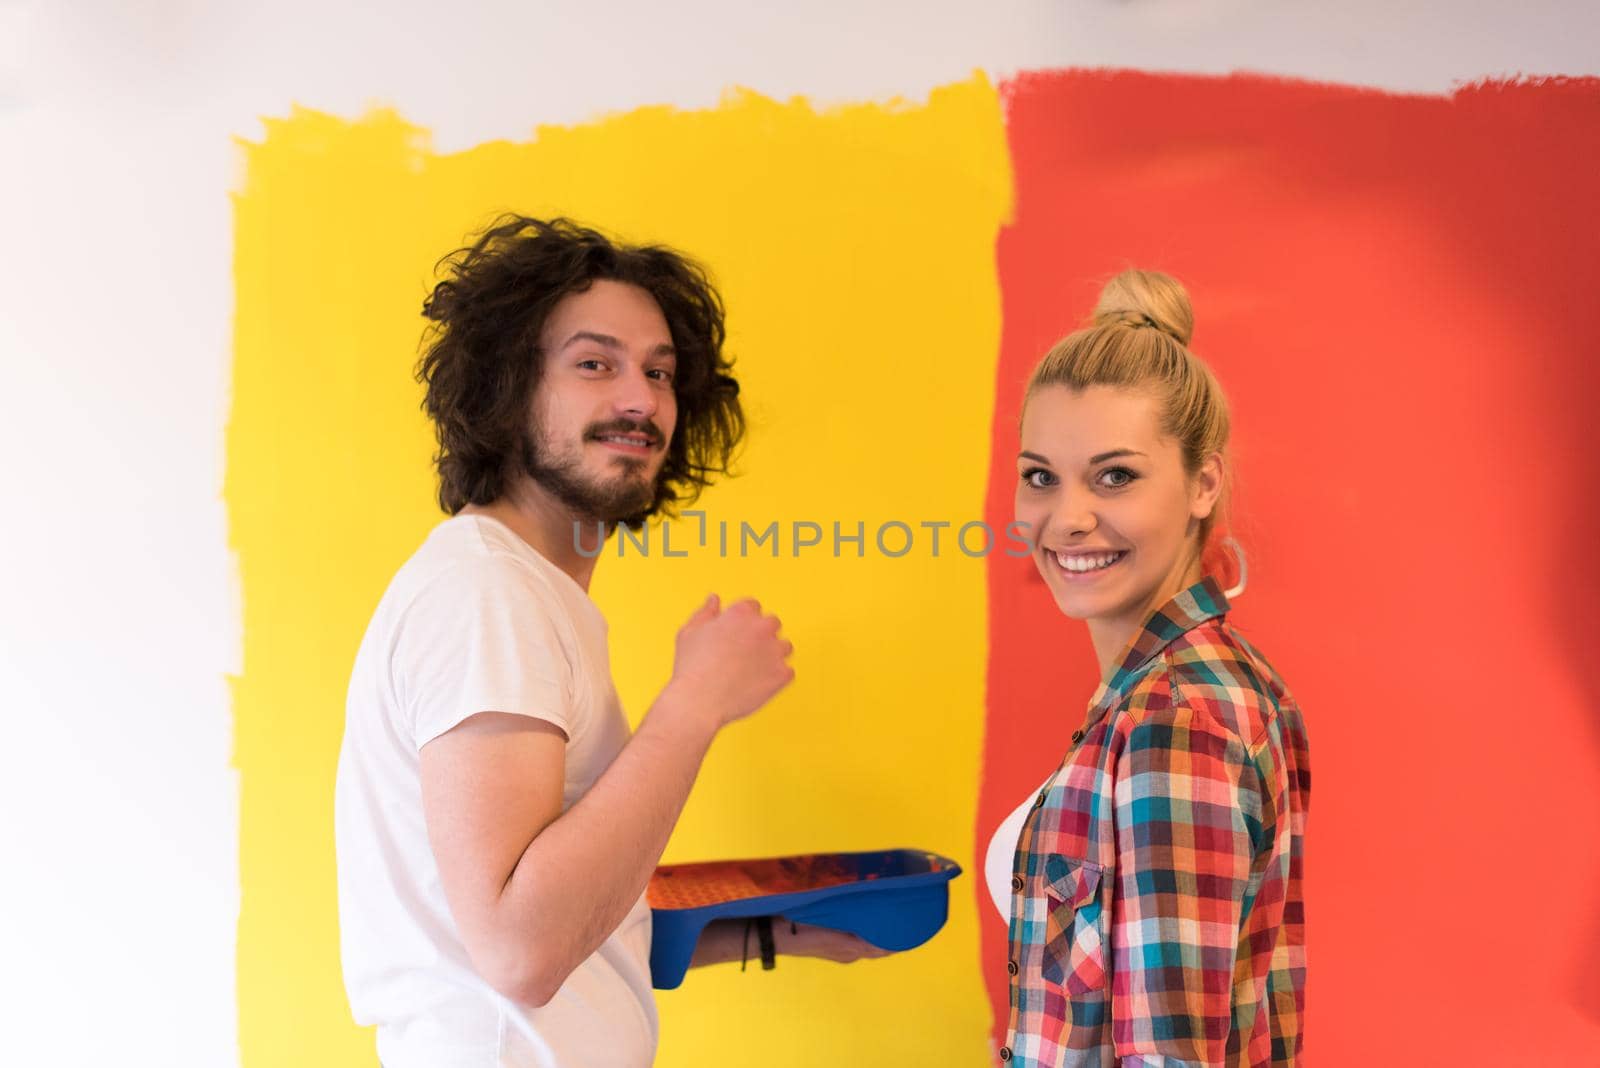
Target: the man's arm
pixel 535 891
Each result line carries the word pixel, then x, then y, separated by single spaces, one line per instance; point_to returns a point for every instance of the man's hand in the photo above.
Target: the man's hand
pixel 724 941
pixel 824 943
pixel 730 661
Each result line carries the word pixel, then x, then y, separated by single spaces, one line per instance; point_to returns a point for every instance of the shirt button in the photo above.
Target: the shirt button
pixel 1011 967
pixel 1016 882
pixel 1077 736
pixel 1005 1053
pixel 1038 802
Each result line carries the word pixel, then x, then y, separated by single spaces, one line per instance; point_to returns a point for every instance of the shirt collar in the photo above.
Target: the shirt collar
pixel 1185 611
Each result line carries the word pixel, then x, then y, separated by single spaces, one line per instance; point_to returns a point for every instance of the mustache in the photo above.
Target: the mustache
pixel 625 426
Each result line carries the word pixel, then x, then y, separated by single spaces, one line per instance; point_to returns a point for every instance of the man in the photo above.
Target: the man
pixel 496 823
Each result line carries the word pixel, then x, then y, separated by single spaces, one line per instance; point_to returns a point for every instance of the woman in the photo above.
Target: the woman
pixel 1155 889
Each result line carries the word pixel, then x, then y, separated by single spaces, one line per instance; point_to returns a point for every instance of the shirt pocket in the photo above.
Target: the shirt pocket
pixel 1075 942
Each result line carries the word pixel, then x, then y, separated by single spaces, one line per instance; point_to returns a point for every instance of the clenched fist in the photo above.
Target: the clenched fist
pixel 731 661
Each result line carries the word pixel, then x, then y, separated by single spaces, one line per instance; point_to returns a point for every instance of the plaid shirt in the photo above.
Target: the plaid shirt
pixel 1157 916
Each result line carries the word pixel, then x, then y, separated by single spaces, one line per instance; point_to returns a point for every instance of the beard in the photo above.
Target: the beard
pixel 625 498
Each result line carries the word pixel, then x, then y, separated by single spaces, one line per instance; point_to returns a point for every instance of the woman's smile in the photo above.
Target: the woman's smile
pixel 1077 565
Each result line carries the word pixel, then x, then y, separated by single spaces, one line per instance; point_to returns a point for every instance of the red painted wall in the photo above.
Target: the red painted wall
pixel 1399 294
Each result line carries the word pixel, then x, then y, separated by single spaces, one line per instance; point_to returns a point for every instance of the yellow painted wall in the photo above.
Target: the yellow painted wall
pixel 855 249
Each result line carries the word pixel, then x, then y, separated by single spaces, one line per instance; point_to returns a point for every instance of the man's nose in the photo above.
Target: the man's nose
pixel 636 395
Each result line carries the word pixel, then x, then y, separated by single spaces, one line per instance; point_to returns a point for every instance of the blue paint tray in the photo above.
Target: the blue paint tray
pixel 895 899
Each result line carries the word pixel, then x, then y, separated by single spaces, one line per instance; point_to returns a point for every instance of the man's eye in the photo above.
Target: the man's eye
pixel 1038 477
pixel 662 376
pixel 589 365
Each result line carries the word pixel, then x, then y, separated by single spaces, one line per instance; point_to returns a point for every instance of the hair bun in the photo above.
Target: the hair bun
pixel 1147 298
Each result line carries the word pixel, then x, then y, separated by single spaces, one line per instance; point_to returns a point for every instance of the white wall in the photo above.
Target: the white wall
pixel 118 887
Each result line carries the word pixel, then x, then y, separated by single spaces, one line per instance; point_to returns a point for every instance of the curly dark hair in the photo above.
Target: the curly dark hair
pixel 481 361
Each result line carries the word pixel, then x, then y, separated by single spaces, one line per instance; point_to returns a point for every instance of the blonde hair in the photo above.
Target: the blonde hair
pixel 1138 339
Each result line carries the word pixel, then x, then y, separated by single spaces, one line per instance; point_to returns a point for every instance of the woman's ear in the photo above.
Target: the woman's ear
pixel 1206 486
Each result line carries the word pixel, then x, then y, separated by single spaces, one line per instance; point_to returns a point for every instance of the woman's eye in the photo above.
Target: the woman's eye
pixel 1117 477
pixel 1038 477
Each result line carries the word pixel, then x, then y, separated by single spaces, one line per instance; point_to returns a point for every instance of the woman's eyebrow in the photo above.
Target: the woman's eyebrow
pixel 1032 456
pixel 1113 454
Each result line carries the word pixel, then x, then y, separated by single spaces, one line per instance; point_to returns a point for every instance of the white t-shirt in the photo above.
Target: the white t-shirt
pixel 476 621
pixel 1000 858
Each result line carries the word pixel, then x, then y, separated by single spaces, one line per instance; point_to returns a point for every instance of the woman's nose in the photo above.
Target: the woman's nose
pixel 1072 516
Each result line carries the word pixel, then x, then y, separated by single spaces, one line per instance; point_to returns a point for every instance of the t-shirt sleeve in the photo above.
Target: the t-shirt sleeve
pixel 481 637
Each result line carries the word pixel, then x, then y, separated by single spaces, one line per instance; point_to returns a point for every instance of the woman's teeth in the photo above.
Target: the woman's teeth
pixel 1097 562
